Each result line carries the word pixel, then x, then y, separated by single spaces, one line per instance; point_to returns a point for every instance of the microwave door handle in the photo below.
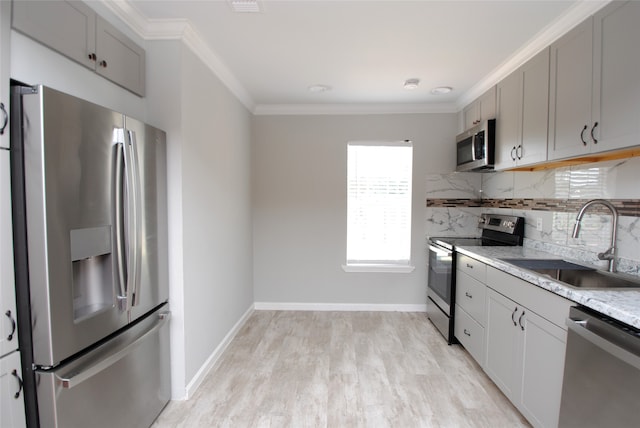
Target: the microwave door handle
pixel 473 148
pixel 121 265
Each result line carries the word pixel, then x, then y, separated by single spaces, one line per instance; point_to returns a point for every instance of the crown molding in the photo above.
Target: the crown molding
pixel 346 109
pixel 576 14
pixel 179 29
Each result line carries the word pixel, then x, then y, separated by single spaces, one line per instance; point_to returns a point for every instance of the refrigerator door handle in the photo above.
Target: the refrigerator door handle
pixel 77 378
pixel 118 138
pixel 135 233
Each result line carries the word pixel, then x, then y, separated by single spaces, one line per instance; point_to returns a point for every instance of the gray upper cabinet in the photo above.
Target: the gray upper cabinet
pixel 522 114
pixel 76 31
pixel 616 94
pixel 570 100
pixel 595 85
pixel 118 58
pixel 481 109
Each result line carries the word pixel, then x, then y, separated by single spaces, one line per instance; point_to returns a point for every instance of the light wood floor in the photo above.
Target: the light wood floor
pixel 343 369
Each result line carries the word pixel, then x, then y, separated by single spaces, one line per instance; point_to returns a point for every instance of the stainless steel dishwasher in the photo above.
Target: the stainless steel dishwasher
pixel 601 373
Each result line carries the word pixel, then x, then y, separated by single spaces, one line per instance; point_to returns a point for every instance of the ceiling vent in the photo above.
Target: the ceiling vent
pixel 245 6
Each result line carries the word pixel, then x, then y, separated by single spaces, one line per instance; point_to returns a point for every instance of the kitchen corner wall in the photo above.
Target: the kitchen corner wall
pixel 549 199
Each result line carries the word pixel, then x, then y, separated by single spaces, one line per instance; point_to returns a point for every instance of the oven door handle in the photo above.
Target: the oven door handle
pixel 440 251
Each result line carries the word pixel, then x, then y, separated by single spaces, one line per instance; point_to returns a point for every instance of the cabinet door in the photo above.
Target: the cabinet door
pixel 8 332
pixel 488 105
pixel 508 129
pixel 503 344
pixel 535 110
pixel 11 395
pixel 570 89
pixel 617 76
pixel 67 27
pixel 471 115
pixel 542 370
pixel 119 58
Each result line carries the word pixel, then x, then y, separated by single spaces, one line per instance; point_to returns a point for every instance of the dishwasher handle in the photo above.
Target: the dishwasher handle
pixel 581 327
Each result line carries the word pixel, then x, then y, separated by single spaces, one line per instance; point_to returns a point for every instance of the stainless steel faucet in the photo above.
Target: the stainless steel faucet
pixel 610 254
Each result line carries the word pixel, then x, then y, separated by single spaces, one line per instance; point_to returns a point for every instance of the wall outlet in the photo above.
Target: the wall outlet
pixel 539 224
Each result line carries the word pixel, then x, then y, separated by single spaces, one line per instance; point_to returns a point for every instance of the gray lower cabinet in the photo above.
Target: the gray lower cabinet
pixel 525 345
pixel 11 395
pixel 75 30
pixel 594 103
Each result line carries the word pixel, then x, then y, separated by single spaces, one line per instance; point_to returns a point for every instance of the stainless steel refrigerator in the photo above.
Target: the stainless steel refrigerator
pixel 90 228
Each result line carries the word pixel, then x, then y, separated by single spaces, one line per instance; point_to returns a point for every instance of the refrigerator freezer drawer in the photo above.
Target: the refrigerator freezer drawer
pixel 124 382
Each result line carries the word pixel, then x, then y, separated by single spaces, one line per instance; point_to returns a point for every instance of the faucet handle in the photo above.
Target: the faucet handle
pixel 610 254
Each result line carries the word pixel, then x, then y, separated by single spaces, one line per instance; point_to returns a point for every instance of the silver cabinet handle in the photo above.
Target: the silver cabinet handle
pixel 582 135
pixel 5 119
pixel 467 332
pixel 519 151
pixel 469 266
pixel 595 140
pixel 15 374
pixel 513 151
pixel 520 320
pixel 13 325
pixel 466 293
pixel 513 316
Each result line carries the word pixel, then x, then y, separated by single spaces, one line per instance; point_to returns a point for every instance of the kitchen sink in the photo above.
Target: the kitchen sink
pixel 577 276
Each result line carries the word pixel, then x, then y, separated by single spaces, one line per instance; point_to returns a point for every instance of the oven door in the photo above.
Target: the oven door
pixel 440 277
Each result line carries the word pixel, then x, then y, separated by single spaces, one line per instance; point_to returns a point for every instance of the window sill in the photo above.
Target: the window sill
pixel 378 268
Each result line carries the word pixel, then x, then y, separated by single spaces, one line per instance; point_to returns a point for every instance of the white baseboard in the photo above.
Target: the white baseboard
pixel 197 380
pixel 346 307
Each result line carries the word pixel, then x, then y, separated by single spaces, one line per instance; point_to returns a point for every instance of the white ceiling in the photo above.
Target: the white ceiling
pixel 363 49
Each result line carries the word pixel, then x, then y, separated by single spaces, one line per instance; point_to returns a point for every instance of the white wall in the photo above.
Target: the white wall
pixel 209 207
pixel 299 205
pixel 217 230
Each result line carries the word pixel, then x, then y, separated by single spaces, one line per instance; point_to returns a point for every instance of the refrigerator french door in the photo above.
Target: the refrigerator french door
pixel 89 189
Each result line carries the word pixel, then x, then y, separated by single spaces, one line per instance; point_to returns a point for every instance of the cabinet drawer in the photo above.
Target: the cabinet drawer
pixel 470 334
pixel 470 295
pixel 472 267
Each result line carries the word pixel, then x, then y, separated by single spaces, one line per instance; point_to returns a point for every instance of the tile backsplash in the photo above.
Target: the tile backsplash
pixel 549 199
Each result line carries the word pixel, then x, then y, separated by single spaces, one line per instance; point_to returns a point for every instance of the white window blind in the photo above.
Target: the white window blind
pixel 379 176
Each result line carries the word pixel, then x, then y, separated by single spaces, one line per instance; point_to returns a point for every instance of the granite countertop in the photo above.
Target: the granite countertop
pixel 622 305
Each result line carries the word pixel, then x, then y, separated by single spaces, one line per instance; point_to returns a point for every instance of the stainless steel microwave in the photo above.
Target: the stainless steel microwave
pixel 476 147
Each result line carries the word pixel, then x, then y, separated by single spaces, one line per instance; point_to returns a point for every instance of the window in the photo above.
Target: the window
pixel 379 176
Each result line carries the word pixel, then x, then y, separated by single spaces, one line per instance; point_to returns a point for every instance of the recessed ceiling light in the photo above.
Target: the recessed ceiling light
pixel 441 90
pixel 319 88
pixel 245 6
pixel 411 84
